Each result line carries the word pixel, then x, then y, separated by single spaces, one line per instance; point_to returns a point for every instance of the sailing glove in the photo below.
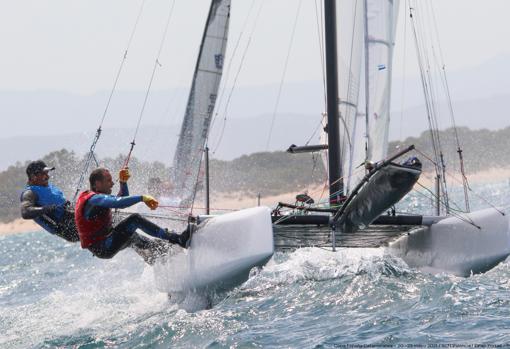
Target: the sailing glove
pixel 150 202
pixel 124 175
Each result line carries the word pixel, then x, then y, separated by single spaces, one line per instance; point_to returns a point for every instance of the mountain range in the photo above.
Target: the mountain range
pixel 37 122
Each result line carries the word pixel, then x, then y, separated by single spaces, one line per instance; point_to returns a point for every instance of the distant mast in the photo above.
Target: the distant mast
pixel 335 168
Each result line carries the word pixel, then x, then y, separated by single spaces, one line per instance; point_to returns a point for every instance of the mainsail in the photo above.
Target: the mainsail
pixel 366 32
pixel 350 54
pixel 380 21
pixel 201 101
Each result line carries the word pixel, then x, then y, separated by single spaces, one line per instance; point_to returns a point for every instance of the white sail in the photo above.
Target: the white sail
pixel 381 18
pixel 201 101
pixel 350 55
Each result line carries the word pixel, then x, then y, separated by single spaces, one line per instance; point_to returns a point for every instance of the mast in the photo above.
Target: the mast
pixel 333 130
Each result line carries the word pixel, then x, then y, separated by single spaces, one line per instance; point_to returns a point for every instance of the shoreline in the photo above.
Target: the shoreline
pixel 18 226
pixel 224 202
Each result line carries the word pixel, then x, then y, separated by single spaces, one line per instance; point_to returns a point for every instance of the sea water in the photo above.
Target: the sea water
pixel 53 294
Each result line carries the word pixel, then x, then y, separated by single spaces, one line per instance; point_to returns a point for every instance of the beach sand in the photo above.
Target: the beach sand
pixel 224 202
pixel 18 226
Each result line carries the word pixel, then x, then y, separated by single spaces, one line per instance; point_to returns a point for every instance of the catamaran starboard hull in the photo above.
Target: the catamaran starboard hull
pixel 456 246
pixel 222 252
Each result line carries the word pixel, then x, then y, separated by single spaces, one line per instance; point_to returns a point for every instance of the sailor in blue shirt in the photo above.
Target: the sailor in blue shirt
pixel 46 204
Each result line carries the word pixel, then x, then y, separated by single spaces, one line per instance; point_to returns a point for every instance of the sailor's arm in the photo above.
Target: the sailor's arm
pixel 110 201
pixel 29 210
pixel 124 190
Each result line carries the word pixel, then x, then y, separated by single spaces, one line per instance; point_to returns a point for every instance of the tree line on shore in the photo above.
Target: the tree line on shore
pixel 265 173
pixel 251 174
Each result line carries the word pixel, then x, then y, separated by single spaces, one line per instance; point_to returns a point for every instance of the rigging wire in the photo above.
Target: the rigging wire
pixel 156 65
pixel 320 36
pixel 434 98
pixel 323 68
pixel 275 110
pixel 424 68
pixel 90 155
pixel 234 85
pixel 446 87
pixel 452 212
pixel 459 181
pixel 230 64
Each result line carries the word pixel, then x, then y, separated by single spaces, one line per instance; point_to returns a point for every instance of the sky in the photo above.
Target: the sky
pixel 59 59
pixel 77 46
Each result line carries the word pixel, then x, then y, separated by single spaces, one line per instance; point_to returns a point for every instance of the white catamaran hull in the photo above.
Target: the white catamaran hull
pixel 455 246
pixel 222 252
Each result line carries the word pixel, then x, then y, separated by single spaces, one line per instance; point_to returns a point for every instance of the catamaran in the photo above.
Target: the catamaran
pixel 364 181
pixel 226 247
pixel 460 244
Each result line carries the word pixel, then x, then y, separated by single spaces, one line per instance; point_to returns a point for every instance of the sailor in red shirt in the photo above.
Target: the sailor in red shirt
pixel 93 215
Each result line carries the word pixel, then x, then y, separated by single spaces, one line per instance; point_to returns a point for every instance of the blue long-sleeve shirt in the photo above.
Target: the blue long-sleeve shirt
pixel 107 201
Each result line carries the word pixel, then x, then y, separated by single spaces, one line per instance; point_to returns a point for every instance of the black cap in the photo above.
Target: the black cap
pixel 36 167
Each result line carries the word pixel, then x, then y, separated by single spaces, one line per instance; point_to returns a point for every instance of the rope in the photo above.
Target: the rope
pixel 428 91
pixel 200 208
pixel 465 183
pixel 321 50
pixel 462 218
pixel 459 181
pixel 275 110
pixel 90 155
pixel 156 65
pixel 314 132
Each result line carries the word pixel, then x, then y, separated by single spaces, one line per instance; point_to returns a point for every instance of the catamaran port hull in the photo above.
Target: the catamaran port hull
pixel 474 244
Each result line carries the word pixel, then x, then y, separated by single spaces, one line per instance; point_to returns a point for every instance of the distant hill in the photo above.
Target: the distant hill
pixel 241 135
pixel 37 122
pixel 265 173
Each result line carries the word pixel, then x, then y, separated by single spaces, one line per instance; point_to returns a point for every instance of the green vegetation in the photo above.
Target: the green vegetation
pixel 267 173
pixel 482 149
pixel 66 175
